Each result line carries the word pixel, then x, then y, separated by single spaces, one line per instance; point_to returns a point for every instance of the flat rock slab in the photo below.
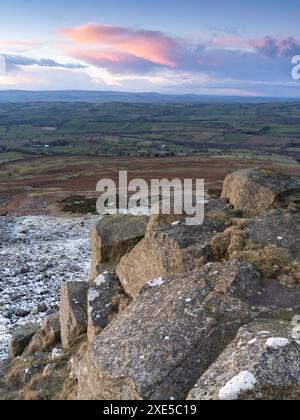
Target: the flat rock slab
pixel 258 190
pixel 262 363
pixel 113 237
pixel 279 228
pixel 171 333
pixel 73 311
pixel 175 248
pixel 106 298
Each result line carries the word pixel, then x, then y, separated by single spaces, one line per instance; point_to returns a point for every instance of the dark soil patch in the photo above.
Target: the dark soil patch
pixel 78 204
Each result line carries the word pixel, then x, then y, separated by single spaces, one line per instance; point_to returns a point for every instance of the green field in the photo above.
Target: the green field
pixel 269 131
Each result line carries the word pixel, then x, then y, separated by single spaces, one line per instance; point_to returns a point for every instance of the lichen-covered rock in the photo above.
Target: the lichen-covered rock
pixel 172 332
pixel 262 363
pixel 158 221
pixel 219 209
pixel 215 209
pixel 257 190
pixel 21 338
pixel 113 237
pixel 270 241
pixel 279 229
pixel 73 311
pixel 106 298
pixel 47 337
pixel 175 248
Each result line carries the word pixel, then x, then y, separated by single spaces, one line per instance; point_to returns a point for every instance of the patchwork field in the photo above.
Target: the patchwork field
pixel 51 150
pixel 267 131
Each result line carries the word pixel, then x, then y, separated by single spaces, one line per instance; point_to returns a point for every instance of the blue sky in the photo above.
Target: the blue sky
pixel 191 46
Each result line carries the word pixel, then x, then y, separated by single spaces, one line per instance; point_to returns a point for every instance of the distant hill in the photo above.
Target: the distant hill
pixel 20 96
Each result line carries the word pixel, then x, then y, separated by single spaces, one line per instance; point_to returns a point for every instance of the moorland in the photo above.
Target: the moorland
pixel 49 149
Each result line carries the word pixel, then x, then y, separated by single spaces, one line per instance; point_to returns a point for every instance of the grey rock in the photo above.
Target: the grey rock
pixel 262 363
pixel 106 298
pixel 20 339
pixel 280 229
pixel 73 311
pixel 258 190
pixel 40 308
pixel 113 237
pixel 172 332
pixel 168 250
pixel 22 313
pixel 219 209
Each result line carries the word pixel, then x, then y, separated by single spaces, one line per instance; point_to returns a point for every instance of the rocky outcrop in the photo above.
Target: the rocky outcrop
pixel 270 241
pixel 21 338
pixel 257 190
pixel 262 363
pixel 113 237
pixel 47 337
pixel 215 209
pixel 206 312
pixel 175 248
pixel 173 332
pixel 106 298
pixel 73 311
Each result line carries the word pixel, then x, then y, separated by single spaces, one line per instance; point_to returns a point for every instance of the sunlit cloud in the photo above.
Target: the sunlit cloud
pixel 152 46
pixel 116 62
pixel 97 56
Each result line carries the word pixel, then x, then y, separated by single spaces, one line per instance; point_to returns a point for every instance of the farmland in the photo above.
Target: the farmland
pixel 50 151
pixel 267 131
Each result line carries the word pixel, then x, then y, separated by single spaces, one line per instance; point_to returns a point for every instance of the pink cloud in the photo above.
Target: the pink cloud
pixel 116 62
pixel 277 47
pixel 126 51
pixel 152 46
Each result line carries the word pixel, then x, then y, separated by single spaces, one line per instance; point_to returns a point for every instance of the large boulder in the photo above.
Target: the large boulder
pixel 21 338
pixel 257 190
pixel 106 298
pixel 175 248
pixel 172 332
pixel 113 237
pixel 73 311
pixel 47 337
pixel 262 363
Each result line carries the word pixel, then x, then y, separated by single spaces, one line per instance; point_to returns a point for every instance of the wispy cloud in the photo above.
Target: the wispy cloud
pixel 14 61
pixel 17 43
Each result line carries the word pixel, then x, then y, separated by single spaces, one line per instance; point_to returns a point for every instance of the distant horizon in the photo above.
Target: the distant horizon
pixel 176 48
pixel 138 93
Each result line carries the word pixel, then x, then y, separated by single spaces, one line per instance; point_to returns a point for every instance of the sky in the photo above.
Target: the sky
pixel 213 47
